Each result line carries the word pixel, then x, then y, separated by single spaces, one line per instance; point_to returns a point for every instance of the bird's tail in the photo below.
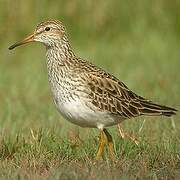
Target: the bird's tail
pixel 152 109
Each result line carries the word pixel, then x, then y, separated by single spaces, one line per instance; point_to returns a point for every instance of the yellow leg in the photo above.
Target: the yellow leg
pixel 102 142
pixel 110 143
pixel 123 134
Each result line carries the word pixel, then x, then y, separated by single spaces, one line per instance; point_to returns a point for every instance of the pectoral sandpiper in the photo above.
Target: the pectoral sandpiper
pixel 85 94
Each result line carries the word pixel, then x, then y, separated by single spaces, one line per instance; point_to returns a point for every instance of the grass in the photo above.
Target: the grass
pixel 139 43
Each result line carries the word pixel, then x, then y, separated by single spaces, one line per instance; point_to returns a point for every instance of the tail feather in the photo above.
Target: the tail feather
pixel 152 109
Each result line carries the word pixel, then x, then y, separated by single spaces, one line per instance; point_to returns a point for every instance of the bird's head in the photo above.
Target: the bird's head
pixel 48 33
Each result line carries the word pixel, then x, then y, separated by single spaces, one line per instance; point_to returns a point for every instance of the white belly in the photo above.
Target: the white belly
pixel 80 114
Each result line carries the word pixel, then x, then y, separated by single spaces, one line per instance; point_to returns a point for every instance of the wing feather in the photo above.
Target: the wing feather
pixel 110 94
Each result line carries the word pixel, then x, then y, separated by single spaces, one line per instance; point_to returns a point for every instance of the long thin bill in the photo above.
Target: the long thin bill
pixel 28 39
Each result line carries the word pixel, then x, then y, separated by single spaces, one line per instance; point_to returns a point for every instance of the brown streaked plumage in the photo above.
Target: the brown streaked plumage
pixel 85 94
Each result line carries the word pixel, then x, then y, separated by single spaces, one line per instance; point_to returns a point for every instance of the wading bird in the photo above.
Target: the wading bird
pixel 85 94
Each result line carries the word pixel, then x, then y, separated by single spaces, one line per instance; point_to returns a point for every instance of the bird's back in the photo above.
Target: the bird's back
pixel 109 94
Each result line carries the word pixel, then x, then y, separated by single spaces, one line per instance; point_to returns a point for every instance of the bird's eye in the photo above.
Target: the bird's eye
pixel 47 28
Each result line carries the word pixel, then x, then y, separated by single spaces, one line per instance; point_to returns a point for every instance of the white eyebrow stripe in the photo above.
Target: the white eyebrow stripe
pixel 42 28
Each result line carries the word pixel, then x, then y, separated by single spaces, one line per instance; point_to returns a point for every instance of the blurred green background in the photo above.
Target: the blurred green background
pixel 137 41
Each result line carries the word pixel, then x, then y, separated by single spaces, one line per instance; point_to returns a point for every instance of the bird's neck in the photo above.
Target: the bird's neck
pixel 60 58
pixel 60 53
